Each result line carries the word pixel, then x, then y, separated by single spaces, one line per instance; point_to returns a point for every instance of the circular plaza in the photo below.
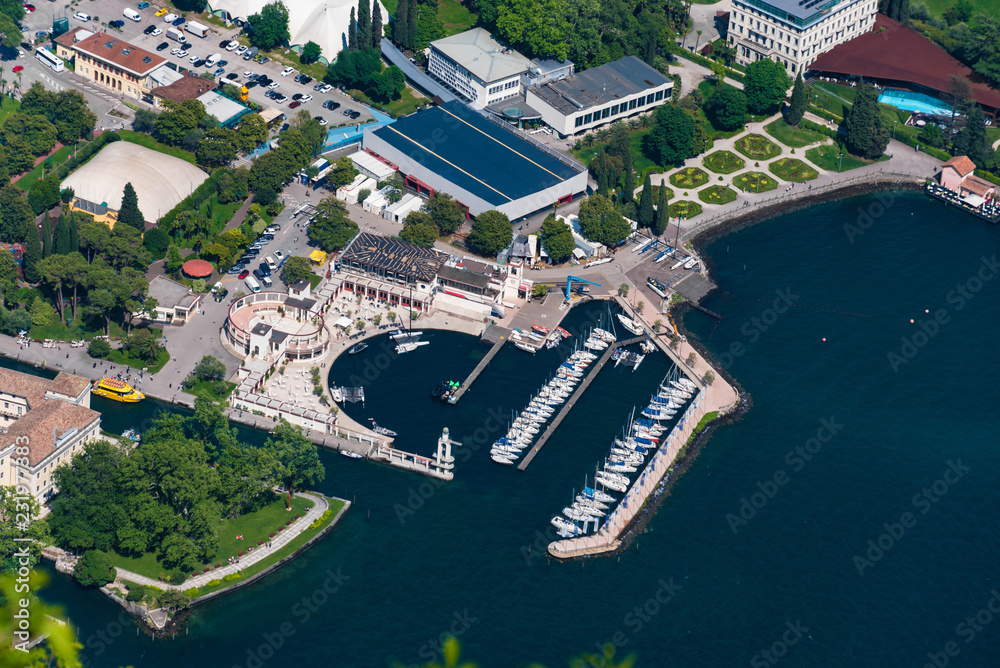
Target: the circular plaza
pixel 267 326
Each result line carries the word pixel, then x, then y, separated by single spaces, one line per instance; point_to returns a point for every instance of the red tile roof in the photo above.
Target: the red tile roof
pixel 68 39
pixel 962 164
pixel 44 425
pixel 977 186
pixel 186 88
pixel 897 53
pixel 110 49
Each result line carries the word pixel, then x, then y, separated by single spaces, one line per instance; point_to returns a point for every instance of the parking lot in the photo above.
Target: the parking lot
pixel 203 48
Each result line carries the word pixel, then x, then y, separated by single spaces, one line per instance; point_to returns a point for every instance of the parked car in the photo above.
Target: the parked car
pixel 179 21
pixel 199 63
pixel 346 112
pixel 276 227
pixel 175 51
pixel 219 72
pixel 249 76
pixel 306 80
pixel 160 12
pixel 278 255
pixel 318 86
pixel 264 269
pixel 331 105
pixel 273 85
pixel 222 63
pixel 194 59
pixel 280 99
pixel 143 5
pixel 182 53
pixel 263 59
pixel 267 237
pixel 235 269
pixel 232 46
pixel 118 24
pixel 306 98
pixel 288 70
pixel 161 46
pixel 17 69
pixel 80 16
pixel 355 114
pixel 322 121
pixel 224 43
pixel 244 274
pixel 250 84
pixel 149 30
pixel 258 274
pixel 29 8
pixel 232 76
pixel 169 18
pixel 295 105
pixel 240 50
pixel 297 96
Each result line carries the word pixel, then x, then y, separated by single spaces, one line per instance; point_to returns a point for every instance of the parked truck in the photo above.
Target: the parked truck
pixel 175 34
pixel 196 28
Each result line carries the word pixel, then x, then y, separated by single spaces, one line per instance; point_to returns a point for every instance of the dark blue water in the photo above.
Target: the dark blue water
pixel 760 547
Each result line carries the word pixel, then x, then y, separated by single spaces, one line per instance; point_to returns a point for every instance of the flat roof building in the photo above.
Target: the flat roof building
pixel 224 110
pixel 180 89
pixel 483 164
pixel 176 302
pixel 477 67
pixel 795 32
pixel 600 95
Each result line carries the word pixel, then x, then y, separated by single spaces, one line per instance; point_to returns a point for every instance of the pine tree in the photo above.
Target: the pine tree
pixel 74 235
pixel 797 105
pixel 646 214
pixel 376 25
pixel 352 33
pixel 628 178
pixel 602 183
pixel 63 243
pixel 129 213
pixel 364 25
pixel 662 208
pixel 972 140
pixel 46 235
pixel 32 255
pixel 411 25
pixel 401 24
pixel 865 131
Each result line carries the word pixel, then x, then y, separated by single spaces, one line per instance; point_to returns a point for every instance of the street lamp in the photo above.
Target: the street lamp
pixel 894 129
pixel 840 162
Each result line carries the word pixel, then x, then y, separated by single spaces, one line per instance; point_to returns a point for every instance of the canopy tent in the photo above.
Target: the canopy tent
pixel 343 322
pixel 318 257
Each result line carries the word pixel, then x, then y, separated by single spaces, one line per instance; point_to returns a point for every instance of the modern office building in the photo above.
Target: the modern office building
pixel 477 67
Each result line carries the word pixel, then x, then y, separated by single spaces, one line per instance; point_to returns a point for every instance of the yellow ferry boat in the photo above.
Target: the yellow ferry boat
pixel 118 390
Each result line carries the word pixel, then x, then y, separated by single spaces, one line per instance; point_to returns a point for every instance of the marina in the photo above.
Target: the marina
pixel 453 399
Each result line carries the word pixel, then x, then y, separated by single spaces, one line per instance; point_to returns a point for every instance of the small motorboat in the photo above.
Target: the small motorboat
pixel 630 324
pixel 381 430
pixel 351 455
pixel 357 348
pixel 544 331
pixel 525 347
pixel 502 459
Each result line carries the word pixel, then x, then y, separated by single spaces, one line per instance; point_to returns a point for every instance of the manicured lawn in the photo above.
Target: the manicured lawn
pixel 454 16
pixel 793 136
pixel 294 544
pixel 684 209
pixel 150 143
pixel 206 388
pixel 314 280
pixel 408 102
pixel 832 97
pixel 793 169
pixel 717 195
pixel 76 331
pixel 757 147
pixel 656 194
pixel 724 162
pixel 39 171
pixel 639 159
pixel 936 8
pixel 689 177
pixel 8 105
pixel 217 212
pixel 828 158
pixel 119 356
pixel 757 182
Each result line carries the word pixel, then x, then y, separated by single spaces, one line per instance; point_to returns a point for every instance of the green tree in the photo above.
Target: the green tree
pixel 727 108
pixel 445 212
pixel 251 133
pixel 156 241
pixel 719 71
pixel 671 141
pixel 531 27
pixel 600 222
pixel 296 268
pixel 99 348
pixel 63 236
pixel 865 132
pixel 364 35
pixel 46 234
pixel 797 105
pixel 297 457
pixel 646 214
pixel 332 227
pixel 15 214
pixel 44 194
pixel 42 313
pixel 94 238
pixel 973 142
pixel 400 29
pixel 32 255
pixel 54 271
pixel 311 51
pixel 18 153
pixel 269 28
pixel 94 569
pixel 37 130
pixel 388 85
pixel 218 147
pixel 129 212
pixel 491 233
pixel 343 172
pixel 144 121
pixel 662 211
pixel 174 124
pixel 764 85
pixel 15 506
pixel 209 368
pixel 71 116
pixel 419 229
pixel 557 239
pixel 144 345
pixel 376 28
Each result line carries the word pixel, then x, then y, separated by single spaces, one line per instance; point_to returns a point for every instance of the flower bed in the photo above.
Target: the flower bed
pixel 689 177
pixel 717 195
pixel 793 169
pixel 755 182
pixel 724 162
pixel 684 209
pixel 757 147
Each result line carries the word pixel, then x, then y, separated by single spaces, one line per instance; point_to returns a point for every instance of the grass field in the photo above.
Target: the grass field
pixel 792 136
pixel 150 143
pixel 756 182
pixel 938 7
pixel 206 389
pixel 454 16
pixel 54 160
pixel 314 280
pixel 76 331
pixel 684 209
pixel 723 162
pixel 757 147
pixel 408 102
pixel 793 169
pixel 717 195
pixel 639 159
pixel 8 105
pixel 828 158
pixel 217 212
pixel 689 177
pixel 119 356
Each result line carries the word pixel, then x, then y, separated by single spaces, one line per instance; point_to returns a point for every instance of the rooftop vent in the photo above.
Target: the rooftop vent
pixel 125 52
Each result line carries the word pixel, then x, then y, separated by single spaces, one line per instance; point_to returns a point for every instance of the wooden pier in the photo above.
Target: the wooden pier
pixel 550 429
pixel 478 370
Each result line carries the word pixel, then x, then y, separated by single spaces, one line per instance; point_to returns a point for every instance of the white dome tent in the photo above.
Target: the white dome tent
pixel 322 21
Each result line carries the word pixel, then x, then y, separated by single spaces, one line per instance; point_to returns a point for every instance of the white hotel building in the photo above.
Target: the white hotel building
pixel 477 67
pixel 795 32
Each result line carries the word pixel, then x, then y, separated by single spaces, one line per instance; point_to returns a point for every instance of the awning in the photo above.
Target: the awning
pixel 317 256
pixel 343 323
pixel 973 200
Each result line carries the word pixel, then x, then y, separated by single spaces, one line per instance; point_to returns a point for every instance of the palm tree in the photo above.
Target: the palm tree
pixel 3 82
pixel 697 42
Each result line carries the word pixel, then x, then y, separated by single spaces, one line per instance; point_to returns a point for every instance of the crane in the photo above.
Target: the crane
pixel 569 284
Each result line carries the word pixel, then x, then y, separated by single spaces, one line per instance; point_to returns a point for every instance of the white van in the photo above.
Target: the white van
pixel 267 282
pixel 213 59
pixel 252 283
pixel 130 13
pixel 271 263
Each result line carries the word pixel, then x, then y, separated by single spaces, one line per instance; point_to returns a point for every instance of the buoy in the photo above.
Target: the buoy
pixel 824 339
pixel 911 321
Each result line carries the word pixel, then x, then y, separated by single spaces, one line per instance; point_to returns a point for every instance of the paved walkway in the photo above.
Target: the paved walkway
pixel 703 19
pixel 320 505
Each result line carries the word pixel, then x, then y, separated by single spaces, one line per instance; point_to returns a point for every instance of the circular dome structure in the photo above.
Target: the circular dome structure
pixel 197 269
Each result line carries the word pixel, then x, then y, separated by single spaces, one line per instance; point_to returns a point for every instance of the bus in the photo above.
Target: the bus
pixel 49 59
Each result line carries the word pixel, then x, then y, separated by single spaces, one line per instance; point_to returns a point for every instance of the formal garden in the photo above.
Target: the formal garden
pixel 724 162
pixel 717 195
pixel 684 209
pixel 834 159
pixel 793 169
pixel 795 137
pixel 689 177
pixel 754 182
pixel 757 147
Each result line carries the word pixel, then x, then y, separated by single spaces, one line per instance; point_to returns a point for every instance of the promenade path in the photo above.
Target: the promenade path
pixel 320 505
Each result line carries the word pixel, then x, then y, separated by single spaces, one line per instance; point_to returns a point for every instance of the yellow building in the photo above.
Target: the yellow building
pixel 113 63
pixel 101 213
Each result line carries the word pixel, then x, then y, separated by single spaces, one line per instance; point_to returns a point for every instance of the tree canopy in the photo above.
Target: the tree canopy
pixel 269 28
pixel 765 85
pixel 865 132
pixel 797 105
pixel 129 213
pixel 671 141
pixel 727 108
pixel 491 233
pixel 332 226
pixel 296 268
pixel 557 239
pixel 600 222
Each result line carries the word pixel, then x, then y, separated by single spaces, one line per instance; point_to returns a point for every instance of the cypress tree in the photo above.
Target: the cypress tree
pixel 628 178
pixel 352 33
pixel 411 25
pixel 972 140
pixel 74 235
pixel 797 106
pixel 46 235
pixel 129 213
pixel 63 244
pixel 376 25
pixel 602 183
pixel 646 214
pixel 32 255
pixel 865 131
pixel 662 215
pixel 364 25
pixel 401 24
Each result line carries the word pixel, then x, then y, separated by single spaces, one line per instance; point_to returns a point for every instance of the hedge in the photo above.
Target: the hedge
pixel 822 129
pixel 823 113
pixel 190 203
pixel 702 60
pixel 86 153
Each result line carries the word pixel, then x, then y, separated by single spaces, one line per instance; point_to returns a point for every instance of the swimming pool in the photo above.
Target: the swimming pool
pixel 910 101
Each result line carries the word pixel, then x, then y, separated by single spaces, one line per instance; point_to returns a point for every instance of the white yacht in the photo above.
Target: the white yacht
pixel 630 324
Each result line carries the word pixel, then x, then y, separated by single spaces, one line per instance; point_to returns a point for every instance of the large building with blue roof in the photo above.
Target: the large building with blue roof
pixel 484 165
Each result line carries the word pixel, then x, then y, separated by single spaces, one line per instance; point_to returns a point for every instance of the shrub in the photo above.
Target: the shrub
pixel 99 348
pixel 232 577
pixel 176 577
pixel 135 593
pixel 214 583
pixel 94 569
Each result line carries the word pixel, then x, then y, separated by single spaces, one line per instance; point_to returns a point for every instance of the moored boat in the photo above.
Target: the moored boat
pixel 357 348
pixel 117 390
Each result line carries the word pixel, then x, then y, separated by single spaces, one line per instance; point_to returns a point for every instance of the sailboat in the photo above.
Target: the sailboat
pixel 630 324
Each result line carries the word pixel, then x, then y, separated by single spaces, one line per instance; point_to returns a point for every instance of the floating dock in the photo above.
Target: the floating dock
pixel 478 370
pixel 591 375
